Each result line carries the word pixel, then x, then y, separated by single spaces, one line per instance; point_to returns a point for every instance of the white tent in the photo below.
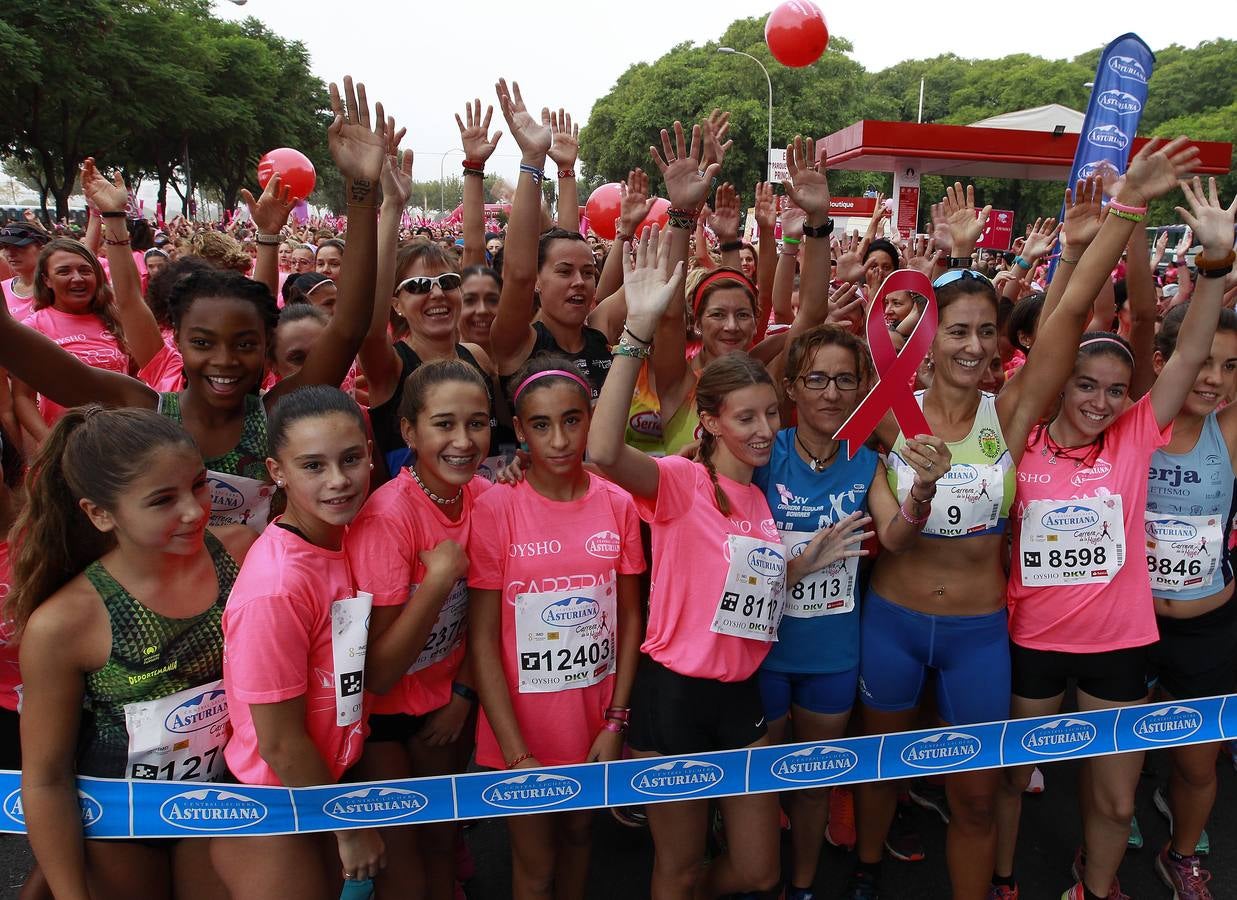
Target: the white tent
pixel 1039 118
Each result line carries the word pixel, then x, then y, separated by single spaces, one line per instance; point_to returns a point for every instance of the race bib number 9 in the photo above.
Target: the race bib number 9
pixel 968 499
pixel 566 639
pixel 1183 552
pixel 826 592
pixel 1079 541
pixel 754 592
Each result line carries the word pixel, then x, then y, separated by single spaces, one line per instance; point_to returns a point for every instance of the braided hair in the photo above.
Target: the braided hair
pixel 720 378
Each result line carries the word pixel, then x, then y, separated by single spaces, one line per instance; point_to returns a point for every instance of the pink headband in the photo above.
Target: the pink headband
pixel 1108 340
pixel 515 398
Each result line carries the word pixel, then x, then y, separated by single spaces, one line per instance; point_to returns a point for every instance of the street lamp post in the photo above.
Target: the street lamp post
pixel 768 80
pixel 441 177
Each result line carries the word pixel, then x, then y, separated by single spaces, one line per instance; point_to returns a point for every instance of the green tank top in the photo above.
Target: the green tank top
pixel 152 656
pixel 248 458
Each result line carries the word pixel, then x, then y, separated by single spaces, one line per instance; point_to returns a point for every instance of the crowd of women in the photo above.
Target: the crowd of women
pixel 275 492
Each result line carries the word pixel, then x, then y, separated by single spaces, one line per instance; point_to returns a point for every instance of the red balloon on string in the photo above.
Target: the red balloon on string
pixel 659 215
pixel 603 208
pixel 294 168
pixel 796 33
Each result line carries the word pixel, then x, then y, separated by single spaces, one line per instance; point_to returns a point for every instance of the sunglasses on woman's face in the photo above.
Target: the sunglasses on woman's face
pixel 423 284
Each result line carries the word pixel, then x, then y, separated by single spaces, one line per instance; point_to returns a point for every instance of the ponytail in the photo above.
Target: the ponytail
pixel 708 444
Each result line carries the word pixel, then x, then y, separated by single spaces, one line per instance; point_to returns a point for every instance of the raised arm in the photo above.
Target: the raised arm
pixel 478 148
pixel 1212 224
pixel 358 151
pixel 270 214
pixel 1140 301
pixel 563 152
pixel 1084 208
pixel 766 257
pixel 512 335
pixel 808 189
pixel 724 220
pixel 142 337
pixel 650 282
pixel 965 223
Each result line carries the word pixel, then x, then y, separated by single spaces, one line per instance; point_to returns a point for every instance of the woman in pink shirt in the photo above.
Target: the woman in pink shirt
pixel 295 633
pixel 554 613
pixel 407 549
pixel 718 588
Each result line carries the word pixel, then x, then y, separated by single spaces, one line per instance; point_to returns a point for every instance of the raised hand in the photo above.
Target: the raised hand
pixel 634 203
pixel 356 148
pixel 808 187
pixel 845 304
pixel 533 137
pixel 1155 170
pixel 940 228
pixel 793 218
pixel 766 208
pixel 1084 209
pixel 930 457
pixel 1211 221
pixel 478 144
pixel 958 208
pixel 849 255
pixel 922 255
pixel 270 211
pixel 840 540
pixel 682 168
pixel 1183 246
pixel 565 146
pixel 1041 238
pixel 649 281
pixel 397 177
pixel 104 195
pixel 724 220
pixel 714 149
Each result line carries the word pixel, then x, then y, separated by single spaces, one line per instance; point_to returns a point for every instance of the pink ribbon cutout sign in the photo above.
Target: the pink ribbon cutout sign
pixel 895 369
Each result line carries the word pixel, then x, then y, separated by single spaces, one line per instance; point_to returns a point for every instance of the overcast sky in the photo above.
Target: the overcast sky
pixel 424 59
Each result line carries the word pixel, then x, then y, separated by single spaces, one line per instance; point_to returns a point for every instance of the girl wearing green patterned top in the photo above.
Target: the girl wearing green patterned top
pixel 118 594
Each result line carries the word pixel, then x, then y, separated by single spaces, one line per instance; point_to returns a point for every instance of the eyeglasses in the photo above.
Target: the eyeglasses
pixel 423 284
pixel 818 381
pixel 957 274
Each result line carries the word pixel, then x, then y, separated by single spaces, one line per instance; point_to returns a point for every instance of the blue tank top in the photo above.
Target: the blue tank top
pixel 1190 496
pixel 822 635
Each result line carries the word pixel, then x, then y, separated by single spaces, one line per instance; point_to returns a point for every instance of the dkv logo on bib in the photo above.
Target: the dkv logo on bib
pixel 375 805
pixel 1059 737
pixel 92 809
pixel 942 751
pixel 531 791
pixel 204 710
pixel 676 779
pixel 1070 518
pixel 814 764
pixel 211 810
pixel 1168 724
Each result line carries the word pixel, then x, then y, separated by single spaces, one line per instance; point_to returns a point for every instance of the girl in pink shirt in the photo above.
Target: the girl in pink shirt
pixel 295 633
pixel 554 613
pixel 407 549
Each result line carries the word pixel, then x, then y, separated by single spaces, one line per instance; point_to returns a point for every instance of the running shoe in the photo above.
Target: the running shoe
pixel 1003 892
pixel 904 842
pixel 1203 847
pixel 1135 840
pixel 931 797
pixel 1078 892
pixel 840 830
pixel 631 816
pixel 1187 878
pixel 1036 784
pixel 861 887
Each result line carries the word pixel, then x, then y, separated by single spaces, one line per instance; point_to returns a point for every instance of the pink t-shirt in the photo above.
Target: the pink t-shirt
pixel 525 544
pixel 384 545
pixel 10 673
pixel 277 635
pixel 1087 617
pixel 165 372
pixel 19 307
pixel 690 562
pixel 86 338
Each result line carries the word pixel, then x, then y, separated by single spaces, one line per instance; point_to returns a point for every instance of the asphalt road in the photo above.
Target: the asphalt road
pixel 622 857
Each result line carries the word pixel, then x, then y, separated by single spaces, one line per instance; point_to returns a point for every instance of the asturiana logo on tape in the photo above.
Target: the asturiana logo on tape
pixel 1059 737
pixel 677 779
pixel 92 809
pixel 814 764
pixel 533 791
pixel 1172 723
pixel 375 804
pixel 942 751
pixel 211 809
pixel 198 712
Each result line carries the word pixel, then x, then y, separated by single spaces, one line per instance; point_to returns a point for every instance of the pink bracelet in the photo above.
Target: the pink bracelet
pixel 1132 210
pixel 615 726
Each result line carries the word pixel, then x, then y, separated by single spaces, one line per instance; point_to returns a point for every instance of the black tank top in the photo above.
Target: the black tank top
pixel 593 360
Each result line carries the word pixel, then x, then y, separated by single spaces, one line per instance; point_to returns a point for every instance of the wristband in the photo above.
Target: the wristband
pixel 464 691
pixel 112 243
pixel 538 174
pixel 635 337
pixel 818 231
pixel 914 521
pixel 682 218
pixel 618 712
pixel 624 348
pixel 112 214
pixel 519 759
pixel 1022 263
pixel 1215 273
pixel 1215 268
pixel 730 246
pixel 474 173
pixel 566 173
pixel 1139 211
pixel 267 240
pixel 473 165
pixel 1124 214
pixel 958 262
pixel 616 727
pixel 794 242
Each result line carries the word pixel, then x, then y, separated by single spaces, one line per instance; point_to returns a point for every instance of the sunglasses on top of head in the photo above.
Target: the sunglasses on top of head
pixel 958 274
pixel 423 284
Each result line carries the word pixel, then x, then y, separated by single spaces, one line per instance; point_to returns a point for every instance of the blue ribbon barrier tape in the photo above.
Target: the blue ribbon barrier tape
pixel 161 809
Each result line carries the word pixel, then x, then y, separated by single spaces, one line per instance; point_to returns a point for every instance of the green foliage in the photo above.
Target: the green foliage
pixel 1192 91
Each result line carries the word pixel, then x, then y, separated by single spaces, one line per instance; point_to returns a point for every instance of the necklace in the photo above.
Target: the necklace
pixel 1079 455
pixel 817 464
pixel 439 500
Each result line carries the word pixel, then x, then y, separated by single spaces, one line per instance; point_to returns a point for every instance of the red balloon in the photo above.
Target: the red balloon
pixel 796 33
pixel 603 208
pixel 294 168
pixel 659 215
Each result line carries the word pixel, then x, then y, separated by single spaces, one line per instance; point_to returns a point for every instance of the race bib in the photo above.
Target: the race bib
pixel 179 737
pixel 968 498
pixel 236 500
pixel 826 592
pixel 566 639
pixel 754 592
pixel 448 630
pixel 1183 552
pixel 349 635
pixel 1078 541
